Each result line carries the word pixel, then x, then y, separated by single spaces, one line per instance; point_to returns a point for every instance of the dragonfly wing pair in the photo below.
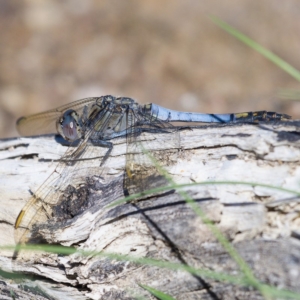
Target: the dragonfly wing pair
pixel 152 144
pixel 100 120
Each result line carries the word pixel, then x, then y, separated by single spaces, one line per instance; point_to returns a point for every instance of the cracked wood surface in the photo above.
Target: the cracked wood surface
pixel 263 224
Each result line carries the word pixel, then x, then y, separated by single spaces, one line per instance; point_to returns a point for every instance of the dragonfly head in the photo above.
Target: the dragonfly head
pixel 69 126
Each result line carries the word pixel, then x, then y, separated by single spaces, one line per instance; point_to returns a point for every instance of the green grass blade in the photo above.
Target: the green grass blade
pixel 265 52
pixel 240 280
pixel 237 280
pixel 158 294
pixel 180 186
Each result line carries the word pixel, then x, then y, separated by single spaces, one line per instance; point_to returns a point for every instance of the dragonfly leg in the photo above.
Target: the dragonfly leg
pixel 105 144
pixel 84 117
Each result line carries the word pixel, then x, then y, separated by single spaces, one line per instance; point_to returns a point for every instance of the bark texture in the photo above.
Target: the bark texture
pixel 263 224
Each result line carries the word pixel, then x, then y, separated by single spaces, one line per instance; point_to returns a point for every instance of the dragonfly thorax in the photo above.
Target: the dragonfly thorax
pixel 69 126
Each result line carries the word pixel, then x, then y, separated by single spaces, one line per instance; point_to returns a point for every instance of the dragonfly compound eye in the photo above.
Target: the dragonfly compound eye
pixel 69 126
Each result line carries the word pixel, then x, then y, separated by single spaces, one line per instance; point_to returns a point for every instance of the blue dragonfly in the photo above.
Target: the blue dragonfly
pixel 96 121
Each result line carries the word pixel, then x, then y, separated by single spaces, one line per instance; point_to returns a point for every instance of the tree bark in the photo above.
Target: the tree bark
pixel 262 224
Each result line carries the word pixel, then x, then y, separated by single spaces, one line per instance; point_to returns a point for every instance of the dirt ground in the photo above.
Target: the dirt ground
pixel 168 52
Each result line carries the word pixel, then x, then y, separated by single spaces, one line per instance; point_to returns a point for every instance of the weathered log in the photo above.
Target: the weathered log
pixel 263 224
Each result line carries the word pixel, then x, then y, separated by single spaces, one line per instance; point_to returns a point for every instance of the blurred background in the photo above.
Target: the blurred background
pixel 168 52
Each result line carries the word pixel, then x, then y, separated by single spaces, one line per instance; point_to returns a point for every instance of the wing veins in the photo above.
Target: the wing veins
pixel 46 192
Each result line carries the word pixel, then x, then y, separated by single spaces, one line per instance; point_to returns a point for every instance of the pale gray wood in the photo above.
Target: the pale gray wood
pixel 265 232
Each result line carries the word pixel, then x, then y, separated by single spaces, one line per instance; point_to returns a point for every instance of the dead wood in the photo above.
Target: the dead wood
pixel 263 224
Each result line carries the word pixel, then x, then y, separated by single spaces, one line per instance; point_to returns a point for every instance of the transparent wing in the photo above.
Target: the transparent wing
pixel 45 122
pixel 75 166
pixel 147 142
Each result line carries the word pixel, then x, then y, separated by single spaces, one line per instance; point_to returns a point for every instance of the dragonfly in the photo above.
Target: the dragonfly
pixel 93 123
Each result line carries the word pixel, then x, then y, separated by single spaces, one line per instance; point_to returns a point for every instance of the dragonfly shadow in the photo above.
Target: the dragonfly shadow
pixel 167 240
pixel 284 135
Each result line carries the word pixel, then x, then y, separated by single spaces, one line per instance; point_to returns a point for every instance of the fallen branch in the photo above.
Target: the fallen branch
pixel 262 223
